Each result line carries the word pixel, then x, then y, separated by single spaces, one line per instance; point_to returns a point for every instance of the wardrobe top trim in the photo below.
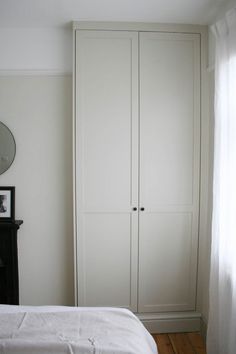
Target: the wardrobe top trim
pixel 138 26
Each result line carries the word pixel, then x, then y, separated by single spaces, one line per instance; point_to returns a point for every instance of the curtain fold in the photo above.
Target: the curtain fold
pixel 221 335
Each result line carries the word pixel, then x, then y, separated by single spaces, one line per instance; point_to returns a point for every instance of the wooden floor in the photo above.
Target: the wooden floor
pixel 180 343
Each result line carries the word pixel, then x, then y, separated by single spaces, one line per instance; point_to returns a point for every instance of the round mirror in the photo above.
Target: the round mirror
pixel 7 148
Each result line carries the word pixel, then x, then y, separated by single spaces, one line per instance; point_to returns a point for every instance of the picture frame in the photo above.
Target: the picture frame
pixel 7 203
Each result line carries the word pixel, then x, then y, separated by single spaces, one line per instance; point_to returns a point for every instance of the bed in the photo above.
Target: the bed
pixel 72 330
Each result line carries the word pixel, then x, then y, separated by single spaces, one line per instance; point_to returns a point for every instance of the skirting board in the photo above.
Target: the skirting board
pixel 171 322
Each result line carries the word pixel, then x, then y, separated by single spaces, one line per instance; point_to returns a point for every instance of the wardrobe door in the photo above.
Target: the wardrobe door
pixel 107 167
pixel 169 170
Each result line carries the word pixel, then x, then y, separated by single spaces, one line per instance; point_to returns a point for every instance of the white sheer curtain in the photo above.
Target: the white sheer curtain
pixel 221 336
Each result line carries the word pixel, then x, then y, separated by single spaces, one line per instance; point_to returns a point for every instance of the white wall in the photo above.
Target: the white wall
pixel 36 104
pixel 37 109
pixel 35 49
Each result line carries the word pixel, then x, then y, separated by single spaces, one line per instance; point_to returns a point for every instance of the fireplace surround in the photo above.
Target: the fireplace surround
pixel 9 280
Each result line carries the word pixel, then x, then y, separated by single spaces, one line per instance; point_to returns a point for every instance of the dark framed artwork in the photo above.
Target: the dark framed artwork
pixel 7 203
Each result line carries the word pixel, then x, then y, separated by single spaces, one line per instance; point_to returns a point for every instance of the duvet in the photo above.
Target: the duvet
pixel 72 330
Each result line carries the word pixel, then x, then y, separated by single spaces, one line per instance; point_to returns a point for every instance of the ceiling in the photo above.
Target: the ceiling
pixel 59 13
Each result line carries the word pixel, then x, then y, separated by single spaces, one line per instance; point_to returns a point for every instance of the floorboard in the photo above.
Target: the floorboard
pixel 164 344
pixel 180 343
pixel 197 342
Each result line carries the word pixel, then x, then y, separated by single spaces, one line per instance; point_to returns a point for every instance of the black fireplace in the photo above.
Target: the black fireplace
pixel 9 282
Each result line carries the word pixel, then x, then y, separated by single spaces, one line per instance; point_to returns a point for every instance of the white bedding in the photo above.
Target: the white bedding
pixel 72 330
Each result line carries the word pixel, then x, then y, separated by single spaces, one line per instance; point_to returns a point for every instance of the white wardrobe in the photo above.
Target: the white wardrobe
pixel 137 167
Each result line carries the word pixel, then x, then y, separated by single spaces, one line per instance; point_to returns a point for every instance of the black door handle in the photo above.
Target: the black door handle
pixel 142 209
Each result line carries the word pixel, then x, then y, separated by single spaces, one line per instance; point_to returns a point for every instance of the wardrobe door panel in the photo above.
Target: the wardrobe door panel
pixel 169 170
pixel 106 166
pixel 105 260
pixel 170 118
pixel 166 262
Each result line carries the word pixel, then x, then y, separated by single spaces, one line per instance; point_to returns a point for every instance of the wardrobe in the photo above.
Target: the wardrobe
pixel 137 165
